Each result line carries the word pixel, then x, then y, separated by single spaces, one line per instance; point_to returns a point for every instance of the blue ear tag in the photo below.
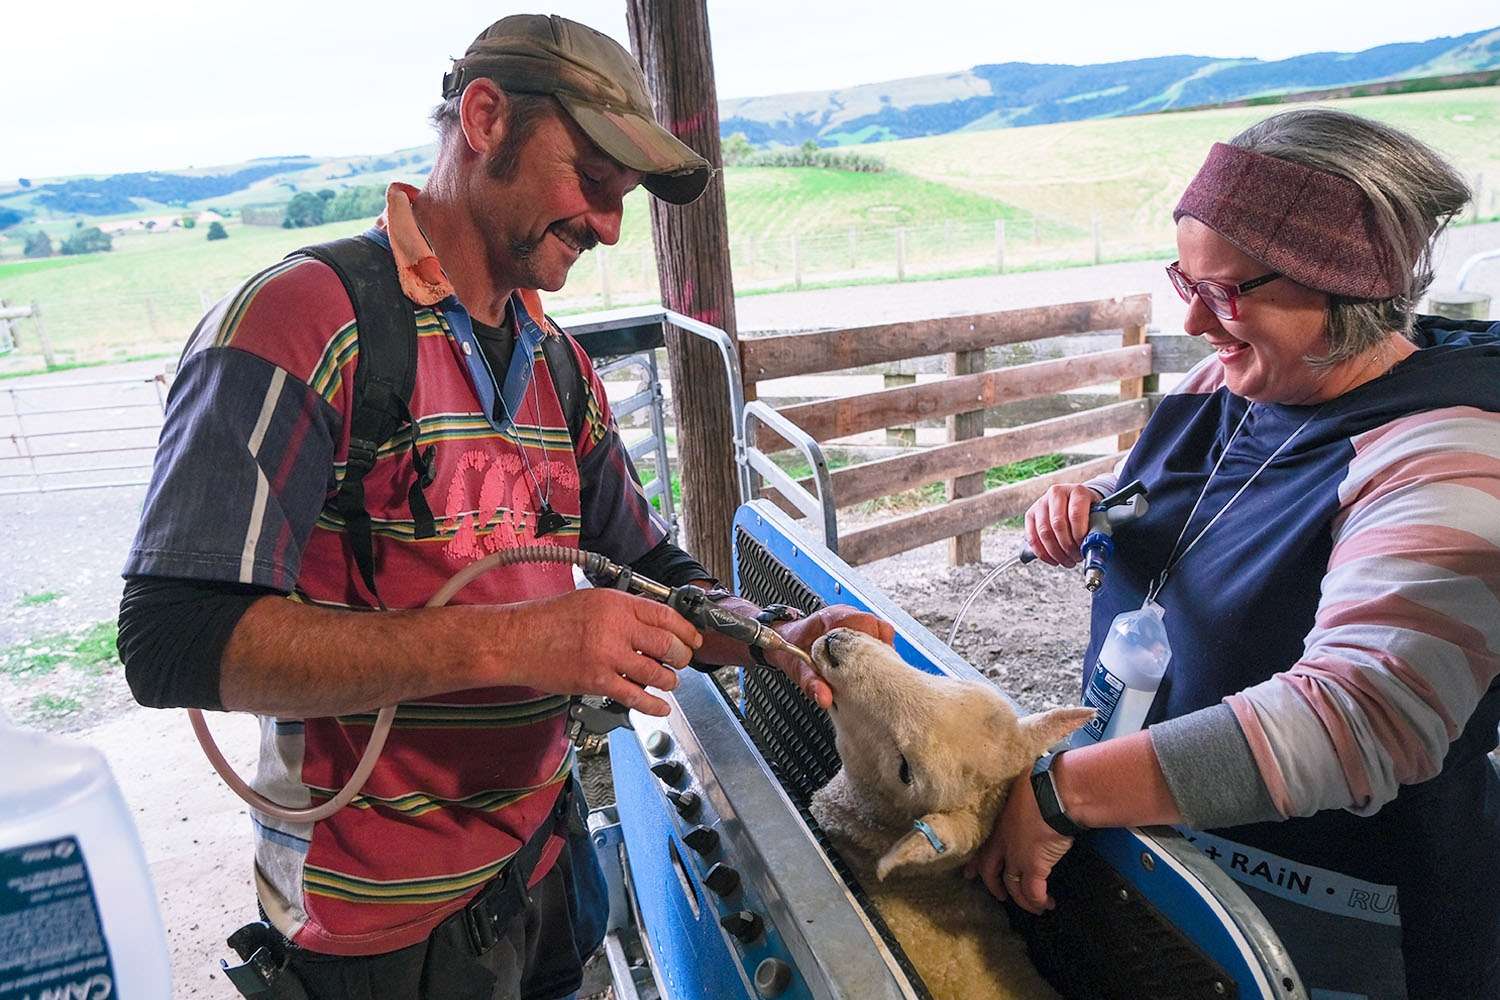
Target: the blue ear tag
pixel 931 835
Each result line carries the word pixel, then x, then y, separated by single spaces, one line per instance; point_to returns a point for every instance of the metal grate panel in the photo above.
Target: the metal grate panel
pixel 792 733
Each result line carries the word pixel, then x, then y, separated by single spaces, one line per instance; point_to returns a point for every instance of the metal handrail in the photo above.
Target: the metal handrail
pixel 731 358
pixel 821 507
pixel 1472 262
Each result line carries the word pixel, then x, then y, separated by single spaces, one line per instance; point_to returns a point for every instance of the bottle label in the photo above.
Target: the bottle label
pixel 1103 694
pixel 51 941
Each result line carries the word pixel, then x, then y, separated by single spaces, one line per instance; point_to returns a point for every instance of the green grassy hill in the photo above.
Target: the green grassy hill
pixel 1130 171
pixel 1047 183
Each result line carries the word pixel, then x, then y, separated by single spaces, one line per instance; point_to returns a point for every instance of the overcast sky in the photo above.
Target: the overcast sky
pixel 90 87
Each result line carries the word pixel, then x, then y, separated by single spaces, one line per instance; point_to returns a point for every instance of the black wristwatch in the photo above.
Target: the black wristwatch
pixel 769 615
pixel 1045 790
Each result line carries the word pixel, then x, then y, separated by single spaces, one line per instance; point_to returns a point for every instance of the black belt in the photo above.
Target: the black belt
pixel 506 895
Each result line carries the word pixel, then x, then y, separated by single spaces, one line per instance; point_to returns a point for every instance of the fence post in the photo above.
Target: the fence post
pixel 965 548
pixel 796 262
pixel 905 437
pixel 1098 254
pixel 7 338
pixel 999 246
pixel 1131 388
pixel 901 254
pixel 853 249
pixel 603 275
pixel 41 335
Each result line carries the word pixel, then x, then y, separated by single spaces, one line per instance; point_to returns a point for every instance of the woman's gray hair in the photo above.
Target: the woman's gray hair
pixel 1415 193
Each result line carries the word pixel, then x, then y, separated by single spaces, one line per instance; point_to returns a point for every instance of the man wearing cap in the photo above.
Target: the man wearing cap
pixel 413 890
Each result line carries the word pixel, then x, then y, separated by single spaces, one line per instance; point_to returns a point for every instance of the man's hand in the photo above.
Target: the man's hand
pixel 804 631
pixel 1021 852
pixel 601 642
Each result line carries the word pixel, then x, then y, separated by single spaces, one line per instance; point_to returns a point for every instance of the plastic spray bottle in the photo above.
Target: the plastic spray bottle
pixel 78 914
pixel 1124 680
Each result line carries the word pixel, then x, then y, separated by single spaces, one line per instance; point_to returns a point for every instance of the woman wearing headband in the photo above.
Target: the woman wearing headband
pixel 1324 536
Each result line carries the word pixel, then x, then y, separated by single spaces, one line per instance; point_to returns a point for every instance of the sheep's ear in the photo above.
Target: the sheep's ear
pixel 957 832
pixel 1045 728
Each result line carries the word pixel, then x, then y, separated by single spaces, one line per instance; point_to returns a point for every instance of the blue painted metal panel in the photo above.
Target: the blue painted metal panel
pixel 695 957
pixel 1181 898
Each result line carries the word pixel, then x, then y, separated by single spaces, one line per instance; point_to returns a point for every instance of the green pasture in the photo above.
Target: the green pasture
pixel 1129 172
pixel 933 212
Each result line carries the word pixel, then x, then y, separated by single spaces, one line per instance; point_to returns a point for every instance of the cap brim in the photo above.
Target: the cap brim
pixel 673 172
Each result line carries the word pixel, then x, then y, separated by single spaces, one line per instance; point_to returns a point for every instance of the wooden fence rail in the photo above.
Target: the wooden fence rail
pixel 961 398
pixel 834 350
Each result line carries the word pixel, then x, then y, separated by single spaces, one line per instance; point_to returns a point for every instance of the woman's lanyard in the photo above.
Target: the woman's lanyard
pixel 1176 556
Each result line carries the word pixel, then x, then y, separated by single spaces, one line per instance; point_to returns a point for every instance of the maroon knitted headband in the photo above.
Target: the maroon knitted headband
pixel 1316 228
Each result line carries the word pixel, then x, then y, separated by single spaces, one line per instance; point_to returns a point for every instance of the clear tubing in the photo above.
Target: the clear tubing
pixel 989 577
pixel 505 557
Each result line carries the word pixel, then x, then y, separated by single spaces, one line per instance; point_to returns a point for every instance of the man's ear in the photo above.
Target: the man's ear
pixel 957 832
pixel 1043 729
pixel 481 115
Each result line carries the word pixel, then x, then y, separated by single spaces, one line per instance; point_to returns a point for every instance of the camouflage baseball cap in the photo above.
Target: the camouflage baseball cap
pixel 597 82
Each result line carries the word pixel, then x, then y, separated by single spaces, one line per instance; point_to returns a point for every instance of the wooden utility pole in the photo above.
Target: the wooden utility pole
pixel 670 38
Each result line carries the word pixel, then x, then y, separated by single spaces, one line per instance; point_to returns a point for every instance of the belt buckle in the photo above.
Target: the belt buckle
pixel 493 909
pixel 479 923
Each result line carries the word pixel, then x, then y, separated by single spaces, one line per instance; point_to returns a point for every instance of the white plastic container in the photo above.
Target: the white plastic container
pixel 1124 680
pixel 78 914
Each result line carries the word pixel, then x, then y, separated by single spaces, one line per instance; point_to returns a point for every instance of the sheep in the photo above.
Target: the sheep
pixel 920 747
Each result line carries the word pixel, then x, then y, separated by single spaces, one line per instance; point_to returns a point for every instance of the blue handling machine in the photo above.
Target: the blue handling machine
pixel 731 890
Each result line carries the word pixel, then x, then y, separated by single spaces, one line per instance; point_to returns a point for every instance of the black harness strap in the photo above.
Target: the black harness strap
pixel 386 325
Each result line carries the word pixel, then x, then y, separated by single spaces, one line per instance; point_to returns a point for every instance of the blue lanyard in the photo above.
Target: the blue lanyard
pixel 512 392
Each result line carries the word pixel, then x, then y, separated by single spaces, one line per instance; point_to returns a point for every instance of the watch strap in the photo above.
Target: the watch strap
pixel 1050 806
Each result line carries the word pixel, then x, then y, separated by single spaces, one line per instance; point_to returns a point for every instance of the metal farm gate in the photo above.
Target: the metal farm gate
pixel 79 435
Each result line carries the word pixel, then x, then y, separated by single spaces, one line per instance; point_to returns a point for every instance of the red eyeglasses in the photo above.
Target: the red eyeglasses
pixel 1222 300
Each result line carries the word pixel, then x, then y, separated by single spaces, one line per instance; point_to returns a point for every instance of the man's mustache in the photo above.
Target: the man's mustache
pixel 583 237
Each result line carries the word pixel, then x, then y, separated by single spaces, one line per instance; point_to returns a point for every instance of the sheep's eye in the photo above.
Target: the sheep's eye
pixel 905 771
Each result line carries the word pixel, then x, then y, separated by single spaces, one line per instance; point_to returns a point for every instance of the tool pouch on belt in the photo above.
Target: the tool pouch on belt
pixel 263 973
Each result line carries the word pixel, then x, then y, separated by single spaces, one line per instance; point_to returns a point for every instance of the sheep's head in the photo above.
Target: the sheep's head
pixel 920 748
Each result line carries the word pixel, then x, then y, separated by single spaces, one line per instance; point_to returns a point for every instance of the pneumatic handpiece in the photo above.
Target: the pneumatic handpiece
pixel 1121 507
pixel 692 602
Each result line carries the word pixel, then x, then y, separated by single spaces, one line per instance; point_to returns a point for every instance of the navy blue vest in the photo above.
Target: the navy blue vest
pixel 1241 602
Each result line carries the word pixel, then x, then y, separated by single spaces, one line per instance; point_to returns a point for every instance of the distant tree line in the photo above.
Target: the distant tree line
pixel 90 240
pixel 113 194
pixel 308 209
pixel 738 152
pixel 9 217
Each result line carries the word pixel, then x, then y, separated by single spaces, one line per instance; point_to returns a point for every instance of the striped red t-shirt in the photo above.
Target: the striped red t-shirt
pixel 252 450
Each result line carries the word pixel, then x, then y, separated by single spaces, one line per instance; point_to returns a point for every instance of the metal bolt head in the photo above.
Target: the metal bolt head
pixel 659 742
pixel 772 977
pixel 1124 896
pixel 1148 861
pixel 1219 987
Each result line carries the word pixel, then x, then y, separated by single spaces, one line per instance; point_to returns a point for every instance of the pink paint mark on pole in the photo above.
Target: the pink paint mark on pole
pixel 690 125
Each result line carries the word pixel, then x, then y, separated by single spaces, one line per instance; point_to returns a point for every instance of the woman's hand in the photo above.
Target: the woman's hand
pixel 1057 524
pixel 1021 852
pixel 804 631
